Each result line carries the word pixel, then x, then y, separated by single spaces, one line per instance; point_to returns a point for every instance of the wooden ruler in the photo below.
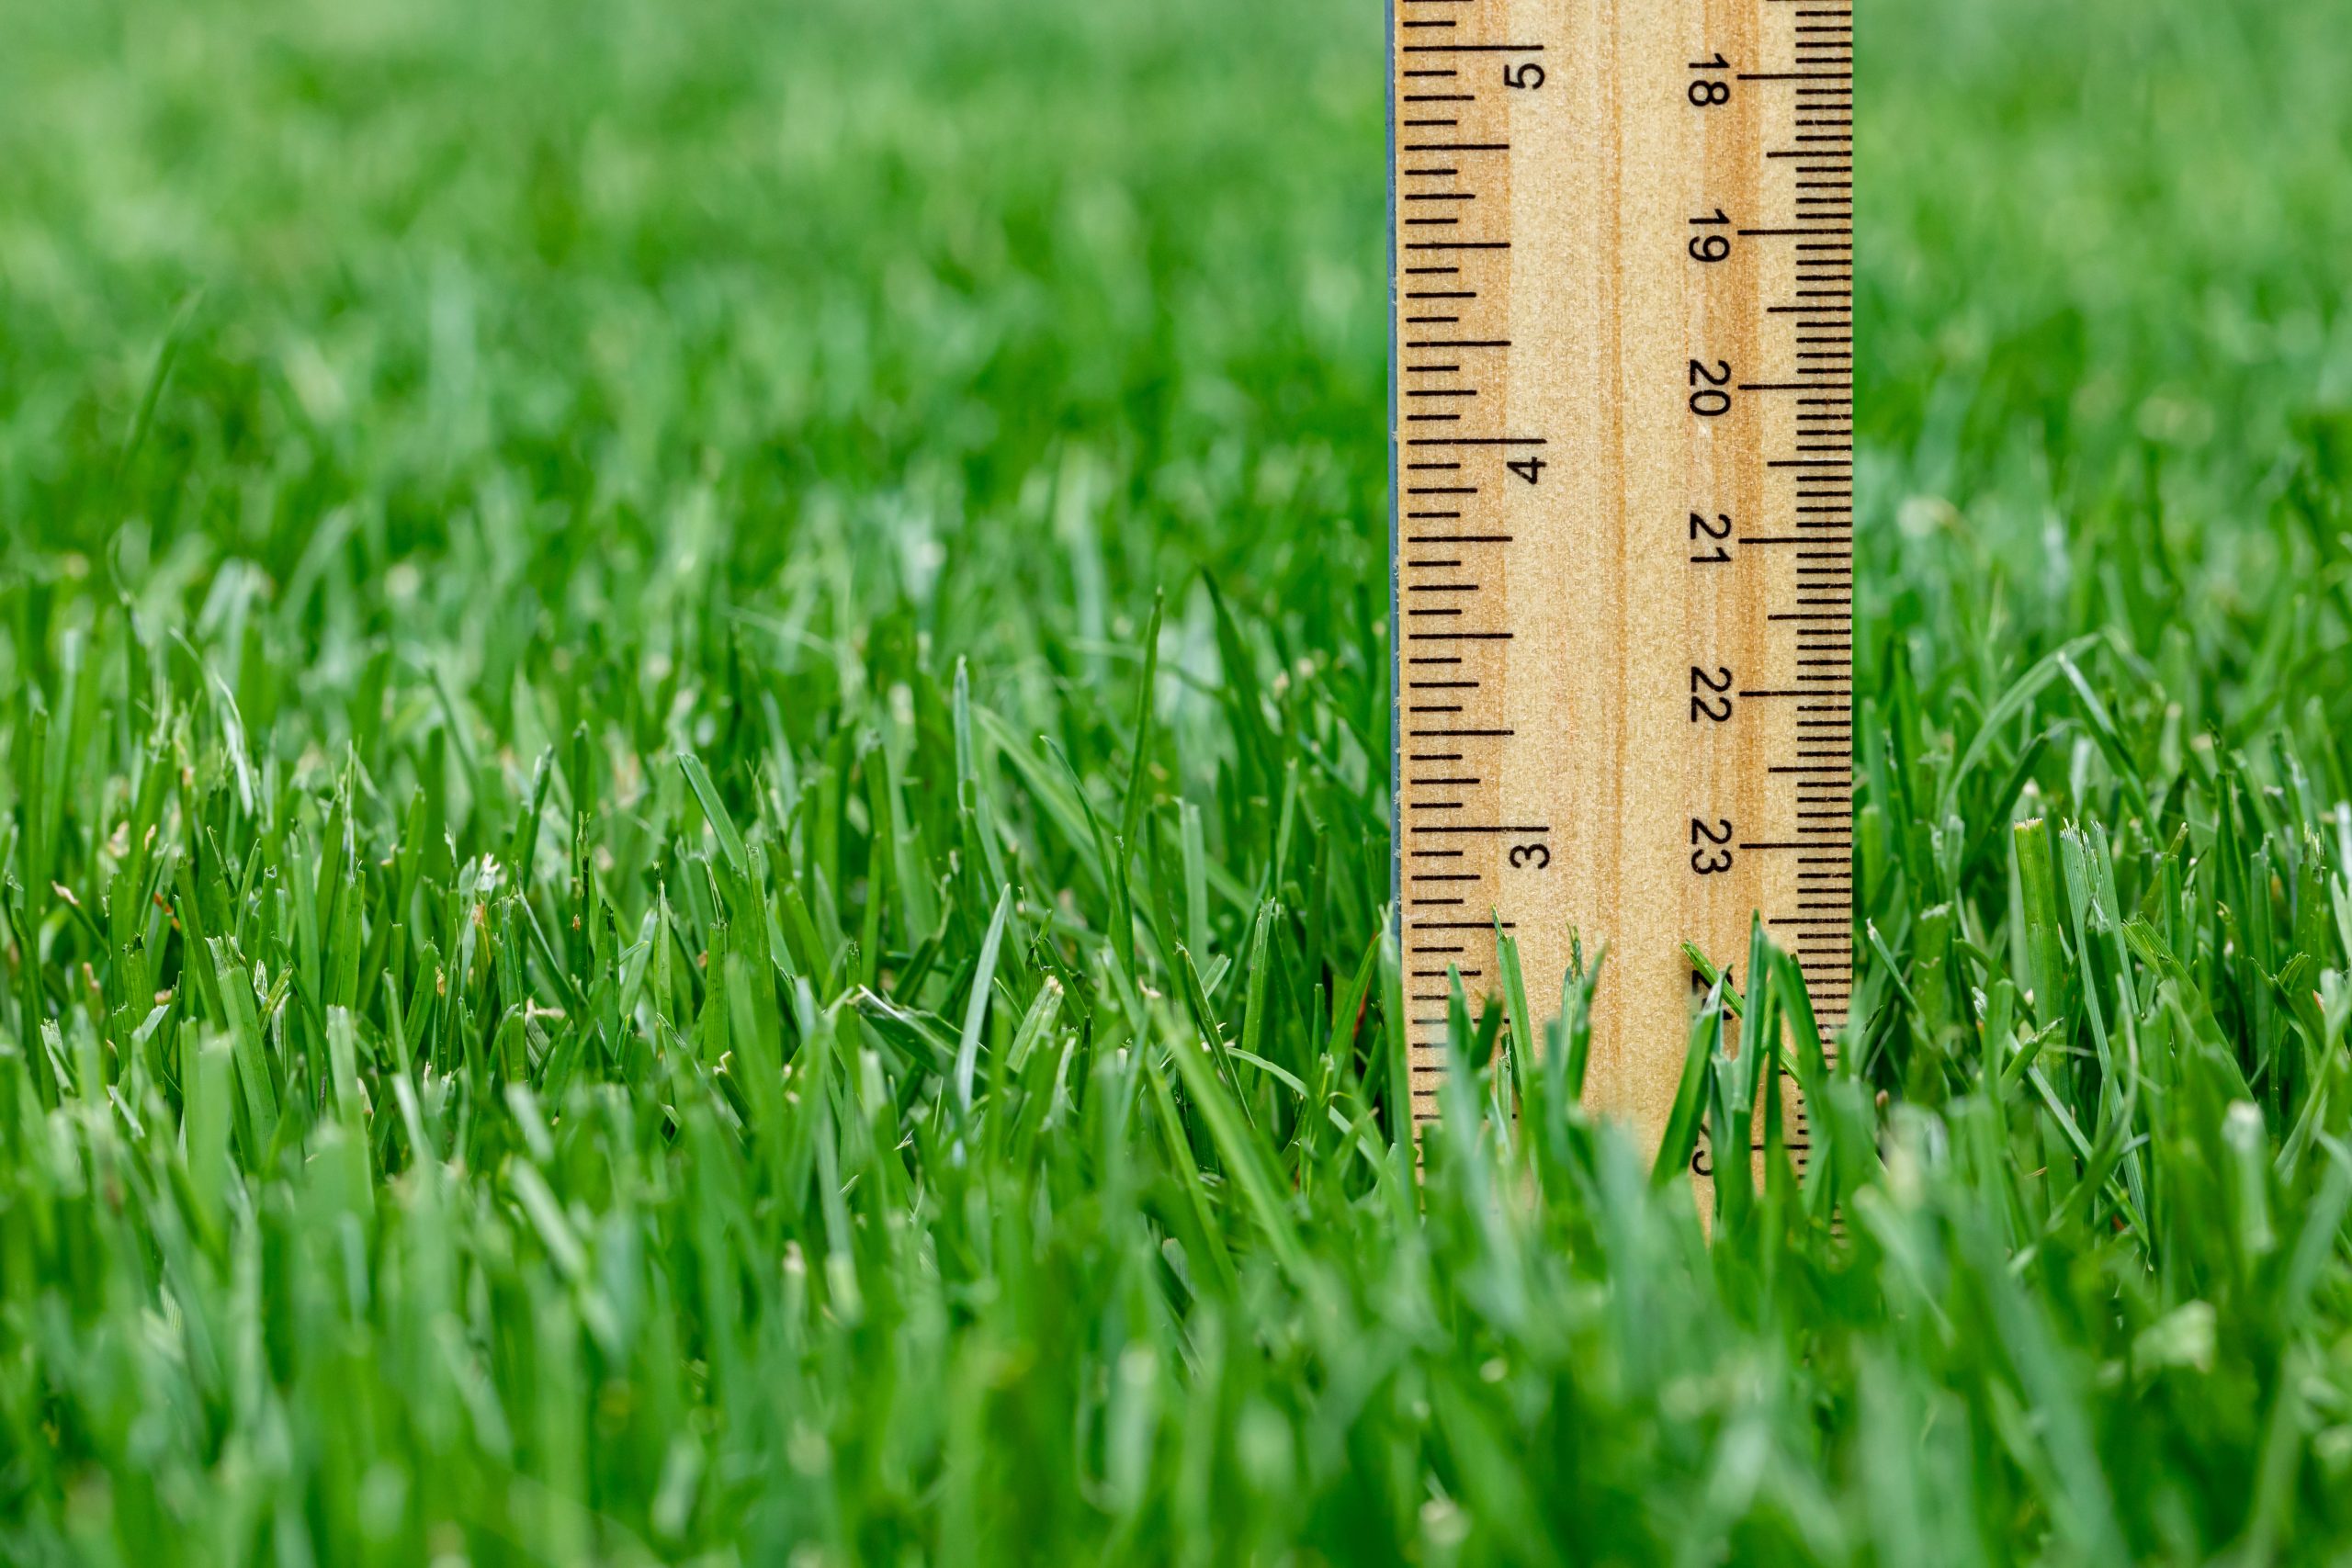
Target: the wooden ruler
pixel 1623 492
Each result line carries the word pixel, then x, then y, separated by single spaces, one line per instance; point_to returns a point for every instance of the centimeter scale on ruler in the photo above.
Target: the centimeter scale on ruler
pixel 1621 439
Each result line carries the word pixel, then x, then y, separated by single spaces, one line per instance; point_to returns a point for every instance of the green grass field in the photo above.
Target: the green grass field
pixel 660 665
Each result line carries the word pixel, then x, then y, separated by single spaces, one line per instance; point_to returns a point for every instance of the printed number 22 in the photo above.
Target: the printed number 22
pixel 1704 706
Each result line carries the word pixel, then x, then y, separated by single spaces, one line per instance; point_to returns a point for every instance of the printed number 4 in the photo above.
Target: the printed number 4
pixel 1529 468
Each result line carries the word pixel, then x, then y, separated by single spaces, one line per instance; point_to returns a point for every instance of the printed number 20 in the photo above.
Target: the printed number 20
pixel 1708 400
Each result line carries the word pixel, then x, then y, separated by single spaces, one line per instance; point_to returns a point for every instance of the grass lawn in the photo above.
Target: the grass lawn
pixel 660 664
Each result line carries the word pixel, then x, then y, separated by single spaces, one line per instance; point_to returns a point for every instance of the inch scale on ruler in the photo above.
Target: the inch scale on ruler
pixel 1622 456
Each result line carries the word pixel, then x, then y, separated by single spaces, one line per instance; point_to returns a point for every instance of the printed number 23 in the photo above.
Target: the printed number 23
pixel 1708 860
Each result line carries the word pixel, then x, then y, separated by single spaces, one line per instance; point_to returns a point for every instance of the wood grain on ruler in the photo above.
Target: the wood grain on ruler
pixel 1623 495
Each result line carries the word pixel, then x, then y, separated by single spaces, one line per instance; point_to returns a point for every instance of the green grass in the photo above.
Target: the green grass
pixel 611 904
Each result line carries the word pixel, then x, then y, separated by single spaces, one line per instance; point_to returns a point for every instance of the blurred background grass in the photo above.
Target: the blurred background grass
pixel 391 394
pixel 873 273
pixel 866 272
pixel 497 288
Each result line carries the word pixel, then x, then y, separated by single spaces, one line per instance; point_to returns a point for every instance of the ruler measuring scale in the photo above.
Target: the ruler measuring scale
pixel 1621 459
